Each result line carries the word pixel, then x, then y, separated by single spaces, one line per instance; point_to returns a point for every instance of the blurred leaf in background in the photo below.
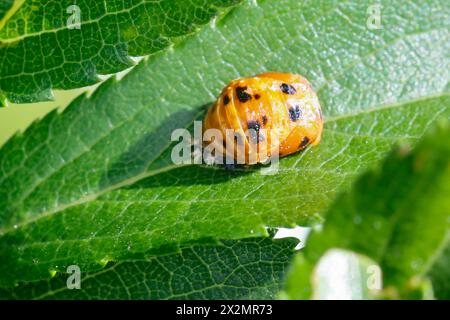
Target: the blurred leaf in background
pixel 398 216
pixel 96 183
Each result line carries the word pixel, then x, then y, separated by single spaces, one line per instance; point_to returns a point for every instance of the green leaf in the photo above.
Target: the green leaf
pixel 82 186
pixel 440 275
pixel 338 275
pixel 243 269
pixel 40 44
pixel 398 216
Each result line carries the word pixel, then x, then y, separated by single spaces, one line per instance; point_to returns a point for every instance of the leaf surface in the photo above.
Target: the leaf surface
pixel 82 186
pixel 243 269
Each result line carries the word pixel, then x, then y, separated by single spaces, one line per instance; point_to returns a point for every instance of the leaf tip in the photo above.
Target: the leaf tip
pixel 103 262
pixel 52 273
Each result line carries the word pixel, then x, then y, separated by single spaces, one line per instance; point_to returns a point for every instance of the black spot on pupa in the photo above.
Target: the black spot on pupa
pixel 255 125
pixel 295 113
pixel 264 120
pixel 255 135
pixel 242 95
pixel 287 89
pixel 226 100
pixel 304 142
pixel 257 96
